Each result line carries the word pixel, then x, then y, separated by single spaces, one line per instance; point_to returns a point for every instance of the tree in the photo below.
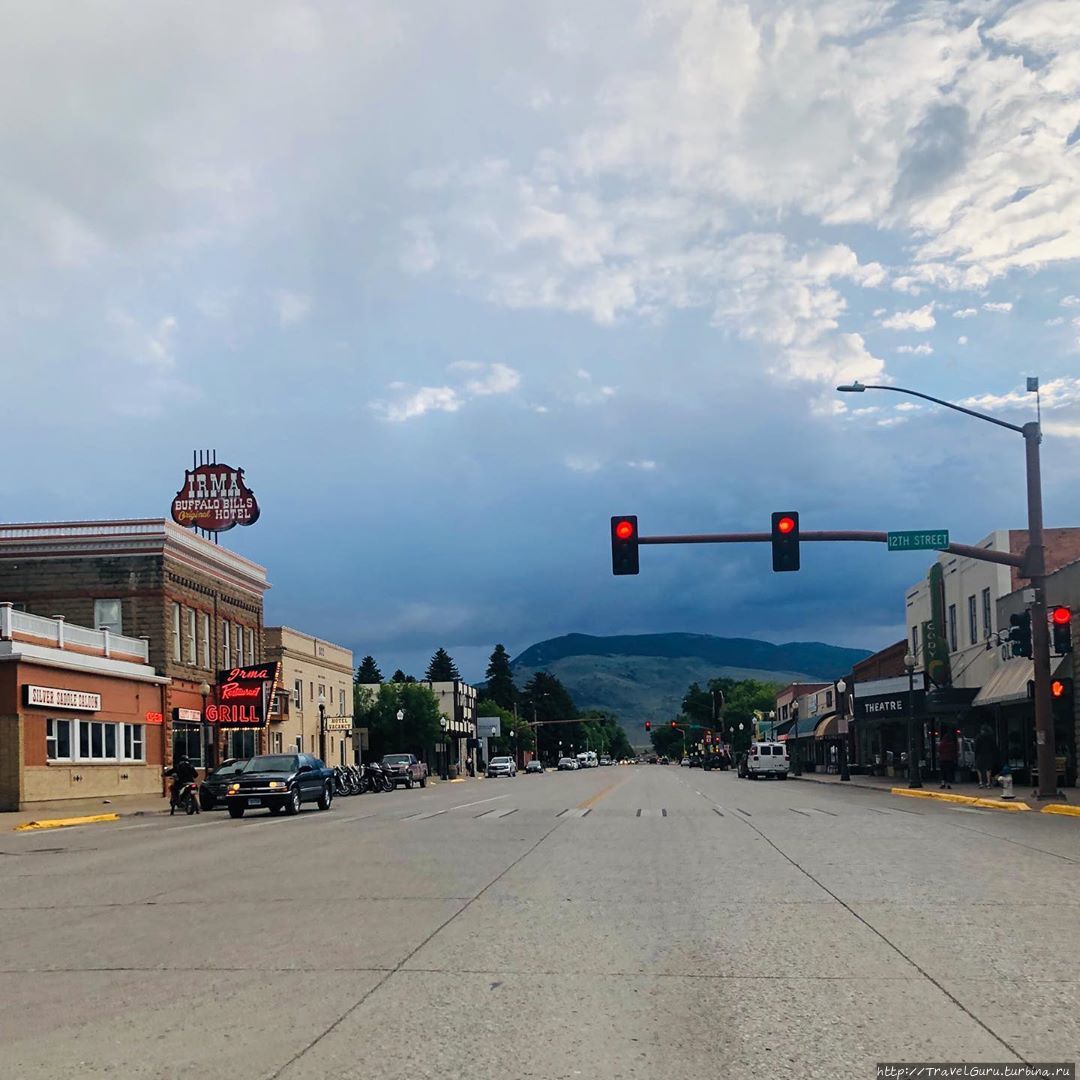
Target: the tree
pixel 442 668
pixel 368 671
pixel 399 676
pixel 417 731
pixel 546 699
pixel 500 680
pixel 524 738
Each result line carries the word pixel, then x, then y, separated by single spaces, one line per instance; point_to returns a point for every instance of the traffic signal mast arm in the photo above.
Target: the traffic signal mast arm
pixel 1006 558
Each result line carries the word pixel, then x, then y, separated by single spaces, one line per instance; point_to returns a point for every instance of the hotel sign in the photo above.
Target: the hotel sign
pixel 214 498
pixel 53 697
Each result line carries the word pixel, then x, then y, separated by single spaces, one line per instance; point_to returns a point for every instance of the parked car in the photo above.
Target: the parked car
pixel 767 759
pixel 605 760
pixel 535 766
pixel 501 766
pixel 406 769
pixel 212 789
pixel 280 782
pixel 567 764
pixel 685 762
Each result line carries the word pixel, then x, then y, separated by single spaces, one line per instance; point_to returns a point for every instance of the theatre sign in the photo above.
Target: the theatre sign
pixel 214 498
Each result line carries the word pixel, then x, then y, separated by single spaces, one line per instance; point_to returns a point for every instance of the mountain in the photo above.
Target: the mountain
pixel 643 677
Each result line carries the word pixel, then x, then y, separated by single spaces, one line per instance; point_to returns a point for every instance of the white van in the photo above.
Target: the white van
pixel 767 759
pixel 587 759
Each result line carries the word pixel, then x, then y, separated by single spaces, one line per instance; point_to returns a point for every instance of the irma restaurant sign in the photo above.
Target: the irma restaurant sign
pixel 214 498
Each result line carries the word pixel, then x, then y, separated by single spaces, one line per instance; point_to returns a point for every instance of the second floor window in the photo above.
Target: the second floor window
pixel 915 643
pixel 987 614
pixel 176 633
pixel 952 628
pixel 298 693
pixel 973 622
pixel 341 703
pixel 226 645
pixel 239 645
pixel 108 616
pixel 192 624
pixel 206 641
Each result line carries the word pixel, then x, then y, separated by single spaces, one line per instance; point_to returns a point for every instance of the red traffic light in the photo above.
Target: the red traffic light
pixel 625 530
pixel 786 525
pixel 1057 688
pixel 648 725
pixel 674 724
pixel 1061 616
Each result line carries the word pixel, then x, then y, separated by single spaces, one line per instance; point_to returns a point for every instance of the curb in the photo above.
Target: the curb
pixel 1058 808
pixel 966 800
pixel 60 823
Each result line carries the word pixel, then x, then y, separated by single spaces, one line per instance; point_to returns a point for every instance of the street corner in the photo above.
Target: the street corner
pixel 63 823
pixel 1061 809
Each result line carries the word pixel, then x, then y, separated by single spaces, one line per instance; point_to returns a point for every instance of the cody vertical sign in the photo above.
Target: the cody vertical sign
pixel 214 498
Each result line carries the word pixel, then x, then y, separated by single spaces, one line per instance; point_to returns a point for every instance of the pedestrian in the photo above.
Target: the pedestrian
pixel 985 754
pixel 947 753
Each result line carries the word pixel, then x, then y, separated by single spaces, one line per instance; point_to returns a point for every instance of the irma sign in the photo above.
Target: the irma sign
pixel 214 498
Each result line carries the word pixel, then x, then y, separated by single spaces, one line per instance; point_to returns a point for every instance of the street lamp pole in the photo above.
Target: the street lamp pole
pixel 793 740
pixel 914 777
pixel 445 773
pixel 1033 568
pixel 322 727
pixel 841 724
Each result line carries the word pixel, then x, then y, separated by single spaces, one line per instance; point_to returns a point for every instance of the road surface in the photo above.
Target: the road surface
pixel 621 922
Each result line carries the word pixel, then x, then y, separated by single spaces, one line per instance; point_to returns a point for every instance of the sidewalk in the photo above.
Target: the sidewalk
pixel 63 809
pixel 959 793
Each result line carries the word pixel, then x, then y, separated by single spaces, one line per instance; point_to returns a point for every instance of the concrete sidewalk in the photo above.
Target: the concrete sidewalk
pixel 886 783
pixel 68 809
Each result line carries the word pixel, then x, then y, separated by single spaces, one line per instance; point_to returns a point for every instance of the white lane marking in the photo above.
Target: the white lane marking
pixel 574 813
pixel 196 825
pixel 144 825
pixel 501 812
pixel 479 802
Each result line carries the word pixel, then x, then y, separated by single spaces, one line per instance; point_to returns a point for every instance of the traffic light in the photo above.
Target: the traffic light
pixel 1061 622
pixel 1020 633
pixel 674 724
pixel 785 541
pixel 648 725
pixel 624 545
pixel 1060 688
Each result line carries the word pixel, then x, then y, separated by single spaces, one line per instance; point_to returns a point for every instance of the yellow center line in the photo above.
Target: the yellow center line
pixel 589 803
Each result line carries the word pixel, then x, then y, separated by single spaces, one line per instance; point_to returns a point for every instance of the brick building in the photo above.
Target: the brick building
pixel 311 670
pixel 198 605
pixel 81 713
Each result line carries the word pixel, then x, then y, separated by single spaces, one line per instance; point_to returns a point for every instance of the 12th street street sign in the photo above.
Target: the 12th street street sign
pixel 919 541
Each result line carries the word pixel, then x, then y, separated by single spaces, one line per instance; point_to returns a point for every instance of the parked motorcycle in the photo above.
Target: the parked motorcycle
pixel 341 781
pixel 187 798
pixel 353 779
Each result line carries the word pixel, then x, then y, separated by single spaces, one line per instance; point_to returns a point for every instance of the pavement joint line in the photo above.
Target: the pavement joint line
pixel 717 810
pixel 408 956
pixel 892 945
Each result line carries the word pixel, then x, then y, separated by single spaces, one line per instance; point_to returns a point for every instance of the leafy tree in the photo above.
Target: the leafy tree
pixel 442 668
pixel 545 699
pixel 368 671
pixel 418 730
pixel 524 737
pixel 500 680
pixel 668 741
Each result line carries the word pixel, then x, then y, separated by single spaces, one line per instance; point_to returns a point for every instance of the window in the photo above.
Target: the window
pixel 973 622
pixel 206 641
pixel 108 616
pixel 239 645
pixel 226 645
pixel 97 741
pixel 322 691
pixel 341 703
pixel 828 699
pixel 952 628
pixel 311 691
pixel 275 742
pixel 915 642
pixel 176 632
pixel 58 740
pixel 298 693
pixel 242 743
pixel 192 623
pixel 988 619
pixel 188 742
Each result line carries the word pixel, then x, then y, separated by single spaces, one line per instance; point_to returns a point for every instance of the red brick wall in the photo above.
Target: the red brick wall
pixel 1062 548
pixel 885 664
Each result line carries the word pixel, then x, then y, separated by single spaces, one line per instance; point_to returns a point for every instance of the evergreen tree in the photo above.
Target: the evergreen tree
pixel 399 676
pixel 368 671
pixel 442 668
pixel 500 681
pixel 546 699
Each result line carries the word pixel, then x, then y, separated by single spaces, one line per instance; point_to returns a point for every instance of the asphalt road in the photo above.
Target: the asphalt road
pixel 626 922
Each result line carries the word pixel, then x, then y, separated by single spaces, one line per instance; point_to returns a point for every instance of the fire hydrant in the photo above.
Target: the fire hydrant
pixel 1006 781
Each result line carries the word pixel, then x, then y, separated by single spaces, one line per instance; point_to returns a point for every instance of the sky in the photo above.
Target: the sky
pixel 454 283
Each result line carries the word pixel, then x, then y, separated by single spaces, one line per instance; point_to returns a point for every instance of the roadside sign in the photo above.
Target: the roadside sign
pixel 930 540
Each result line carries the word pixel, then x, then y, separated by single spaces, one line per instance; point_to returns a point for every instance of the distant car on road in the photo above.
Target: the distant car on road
pixel 567 764
pixel 280 782
pixel 605 760
pixel 212 789
pixel 685 762
pixel 406 769
pixel 767 759
pixel 535 766
pixel 501 766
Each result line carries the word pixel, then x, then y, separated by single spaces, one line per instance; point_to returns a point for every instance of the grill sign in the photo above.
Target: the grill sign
pixel 243 696
pixel 214 498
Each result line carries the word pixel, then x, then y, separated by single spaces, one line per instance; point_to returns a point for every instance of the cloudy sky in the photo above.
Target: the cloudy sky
pixel 456 282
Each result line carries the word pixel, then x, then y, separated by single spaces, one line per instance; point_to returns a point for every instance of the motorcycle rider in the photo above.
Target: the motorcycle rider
pixel 182 772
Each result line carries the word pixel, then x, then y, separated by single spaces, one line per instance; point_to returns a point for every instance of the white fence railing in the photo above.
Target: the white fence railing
pixel 62 634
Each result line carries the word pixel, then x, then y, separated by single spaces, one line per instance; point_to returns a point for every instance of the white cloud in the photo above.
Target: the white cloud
pixel 1060 393
pixel 916 350
pixel 907 406
pixel 154 347
pixel 500 379
pixel 921 319
pixel 1002 306
pixel 892 421
pixel 962 340
pixel 1058 320
pixel 965 313
pixel 646 465
pixel 292 307
pixel 583 374
pixel 583 464
pixel 420 402
pixel 1070 301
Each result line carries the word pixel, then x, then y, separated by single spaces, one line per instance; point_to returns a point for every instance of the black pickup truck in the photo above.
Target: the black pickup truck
pixel 279 782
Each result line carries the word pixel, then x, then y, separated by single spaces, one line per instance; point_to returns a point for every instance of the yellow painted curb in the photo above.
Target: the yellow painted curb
pixel 1057 808
pixel 59 823
pixel 1002 804
pixel 458 780
pixel 941 796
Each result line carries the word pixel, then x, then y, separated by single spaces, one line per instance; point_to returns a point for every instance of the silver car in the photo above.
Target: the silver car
pixel 501 766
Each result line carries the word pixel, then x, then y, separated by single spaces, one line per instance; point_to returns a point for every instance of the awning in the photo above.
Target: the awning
pixel 1009 684
pixel 805 727
pixel 828 728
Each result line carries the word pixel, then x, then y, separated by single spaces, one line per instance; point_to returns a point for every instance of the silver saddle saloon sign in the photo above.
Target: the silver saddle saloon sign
pixel 214 498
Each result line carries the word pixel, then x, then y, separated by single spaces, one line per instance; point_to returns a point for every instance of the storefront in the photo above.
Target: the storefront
pixel 81 713
pixel 880 720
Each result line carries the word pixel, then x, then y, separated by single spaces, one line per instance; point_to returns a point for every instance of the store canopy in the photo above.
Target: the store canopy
pixel 1009 684
pixel 828 728
pixel 806 727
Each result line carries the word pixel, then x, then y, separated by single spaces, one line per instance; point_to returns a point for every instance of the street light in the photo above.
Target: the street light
pixel 793 742
pixel 515 747
pixel 322 727
pixel 914 779
pixel 841 708
pixel 445 774
pixel 1033 568
pixel 208 749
